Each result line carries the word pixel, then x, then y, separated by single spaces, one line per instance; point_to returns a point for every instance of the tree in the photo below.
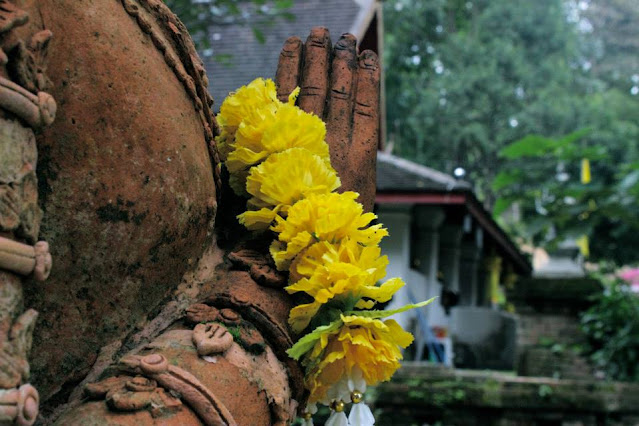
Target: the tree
pixel 483 74
pixel 542 176
pixel 558 201
pixel 487 73
pixel 611 40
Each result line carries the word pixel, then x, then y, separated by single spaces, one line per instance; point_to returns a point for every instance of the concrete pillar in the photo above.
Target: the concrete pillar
pixel 425 258
pixel 450 254
pixel 428 219
pixel 468 273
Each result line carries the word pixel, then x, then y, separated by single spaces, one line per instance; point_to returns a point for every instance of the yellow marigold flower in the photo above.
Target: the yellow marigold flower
pixel 285 178
pixel 325 217
pixel 258 220
pixel 243 101
pixel 321 256
pixel 247 149
pixel 343 275
pixel 290 176
pixel 296 128
pixel 276 128
pixel 336 292
pixel 371 345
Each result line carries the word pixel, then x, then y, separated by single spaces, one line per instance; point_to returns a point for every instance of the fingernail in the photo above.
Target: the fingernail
pixel 346 42
pixel 368 59
pixel 318 35
pixel 292 44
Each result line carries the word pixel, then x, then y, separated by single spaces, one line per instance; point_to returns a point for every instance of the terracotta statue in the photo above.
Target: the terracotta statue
pixel 160 308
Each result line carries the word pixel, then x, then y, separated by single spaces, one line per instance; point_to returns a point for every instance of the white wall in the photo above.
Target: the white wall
pixel 397 219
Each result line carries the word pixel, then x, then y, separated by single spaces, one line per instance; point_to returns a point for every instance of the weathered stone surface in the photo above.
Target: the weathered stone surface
pixel 19 211
pixel 18 153
pixel 94 413
pixel 126 182
pixel 560 363
pixel 12 368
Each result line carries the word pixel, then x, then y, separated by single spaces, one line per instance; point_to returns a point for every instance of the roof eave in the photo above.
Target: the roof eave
pixel 466 198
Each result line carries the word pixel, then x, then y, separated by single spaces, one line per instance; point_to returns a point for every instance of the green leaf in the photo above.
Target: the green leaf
pixel 506 178
pixel 529 146
pixel 290 17
pixel 536 145
pixel 226 59
pixel 283 4
pixel 501 205
pixel 307 342
pixel 384 314
pixel 570 138
pixel 259 35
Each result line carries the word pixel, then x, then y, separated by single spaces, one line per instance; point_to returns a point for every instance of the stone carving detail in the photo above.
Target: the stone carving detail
pixel 126 393
pixel 37 111
pixel 211 339
pixel 226 343
pixel 202 400
pixel 24 259
pixel 27 62
pixel 260 265
pixel 19 406
pixel 10 17
pixel 211 334
pixel 164 29
pixel 14 349
pixel 24 109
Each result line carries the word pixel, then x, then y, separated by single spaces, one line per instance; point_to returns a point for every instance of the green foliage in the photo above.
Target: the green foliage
pixel 545 391
pixel 201 16
pixel 535 146
pixel 612 328
pixel 480 75
pixel 484 73
pixel 611 45
pixel 543 178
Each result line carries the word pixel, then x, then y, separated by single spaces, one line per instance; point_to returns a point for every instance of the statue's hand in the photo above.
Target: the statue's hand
pixel 342 88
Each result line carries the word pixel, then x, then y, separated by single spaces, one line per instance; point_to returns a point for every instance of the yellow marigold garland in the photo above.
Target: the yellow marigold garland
pixel 283 179
pixel 278 158
pixel 325 217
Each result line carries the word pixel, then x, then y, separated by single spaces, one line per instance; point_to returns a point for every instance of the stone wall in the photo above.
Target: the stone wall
pixel 534 328
pixel 424 394
pixel 548 332
pixel 559 362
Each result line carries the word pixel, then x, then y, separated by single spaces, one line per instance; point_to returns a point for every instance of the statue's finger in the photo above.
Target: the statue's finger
pixel 363 151
pixel 315 71
pixel 288 68
pixel 339 116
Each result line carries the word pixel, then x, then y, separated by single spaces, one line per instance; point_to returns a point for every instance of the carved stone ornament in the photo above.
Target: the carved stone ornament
pixel 19 406
pixel 24 109
pixel 26 260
